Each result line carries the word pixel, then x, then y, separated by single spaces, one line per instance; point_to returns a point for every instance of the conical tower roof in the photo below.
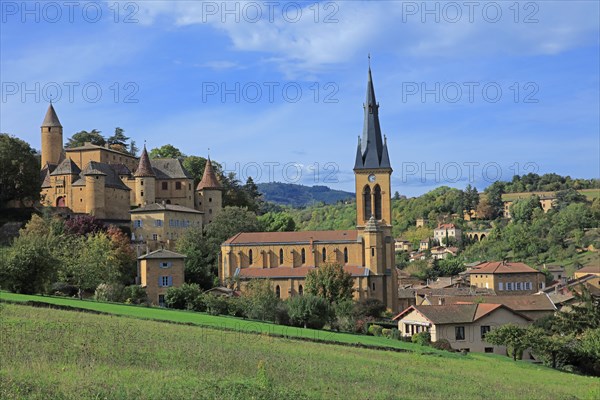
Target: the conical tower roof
pixel 51 119
pixel 144 168
pixel 209 178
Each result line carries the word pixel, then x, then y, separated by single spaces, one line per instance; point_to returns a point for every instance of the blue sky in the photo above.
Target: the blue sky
pixel 467 92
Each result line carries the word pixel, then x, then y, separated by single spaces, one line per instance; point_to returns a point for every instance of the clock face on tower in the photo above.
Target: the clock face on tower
pixel 372 178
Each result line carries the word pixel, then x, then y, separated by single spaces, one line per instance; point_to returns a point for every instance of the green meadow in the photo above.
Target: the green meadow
pixel 58 354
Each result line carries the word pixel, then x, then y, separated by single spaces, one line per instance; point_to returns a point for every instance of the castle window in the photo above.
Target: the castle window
pixel 303 256
pixel 165 185
pixel 158 222
pixel 189 186
pixel 324 254
pixel 278 291
pixel 372 251
pixel 154 236
pixel 377 195
pixel 367 203
pixel 345 255
pixel 210 199
pixel 280 256
pixel 250 258
pixel 177 185
pixel 300 290
pixel 142 182
pixel 373 286
pixel 137 223
pixel 142 193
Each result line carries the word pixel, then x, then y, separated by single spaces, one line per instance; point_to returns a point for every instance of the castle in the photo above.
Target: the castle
pixel 123 189
pixel 367 252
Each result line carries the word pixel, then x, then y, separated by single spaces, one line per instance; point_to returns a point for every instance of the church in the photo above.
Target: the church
pixel 367 252
pixel 156 197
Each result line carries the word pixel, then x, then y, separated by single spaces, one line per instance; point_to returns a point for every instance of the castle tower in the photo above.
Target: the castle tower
pixel 95 186
pixel 52 138
pixel 145 181
pixel 209 193
pixel 374 252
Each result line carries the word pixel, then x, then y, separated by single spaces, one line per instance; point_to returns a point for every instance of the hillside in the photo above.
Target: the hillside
pixel 68 355
pixel 289 194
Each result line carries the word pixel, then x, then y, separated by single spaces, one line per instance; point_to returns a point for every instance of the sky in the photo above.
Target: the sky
pixel 469 92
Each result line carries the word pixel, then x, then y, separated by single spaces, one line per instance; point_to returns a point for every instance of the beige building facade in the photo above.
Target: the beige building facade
pixel 160 270
pixel 507 278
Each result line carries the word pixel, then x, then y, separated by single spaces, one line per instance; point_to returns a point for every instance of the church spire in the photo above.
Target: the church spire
pixel 372 151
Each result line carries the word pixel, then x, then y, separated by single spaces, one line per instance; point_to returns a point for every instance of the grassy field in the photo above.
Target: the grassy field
pixel 56 354
pixel 210 321
pixel 590 194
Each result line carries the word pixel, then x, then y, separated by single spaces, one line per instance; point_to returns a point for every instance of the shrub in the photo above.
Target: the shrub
pixel 215 305
pixel 198 304
pixel 442 344
pixel 369 308
pixel 135 294
pixel 182 297
pixel 308 311
pixel 110 292
pixel 375 330
pixel 63 289
pixel 282 316
pixel 395 334
pixel 344 319
pixel 421 338
pixel 236 307
pixel 261 300
pixel 386 333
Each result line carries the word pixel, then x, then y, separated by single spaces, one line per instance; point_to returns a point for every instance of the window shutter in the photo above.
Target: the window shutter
pixel 160 281
pixel 170 281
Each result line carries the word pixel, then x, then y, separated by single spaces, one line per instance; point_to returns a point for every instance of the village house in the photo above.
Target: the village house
pixel 507 277
pixel 441 252
pixel 587 270
pixel 158 271
pixel 446 233
pixel 463 325
pixel 401 245
pixel 557 271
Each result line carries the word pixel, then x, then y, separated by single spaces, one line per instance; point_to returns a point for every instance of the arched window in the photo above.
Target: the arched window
pixel 367 202
pixel 377 195
pixel 303 256
pixel 345 255
pixel 278 291
pixel 324 254
pixel 300 290
pixel 280 256
pixel 60 202
pixel 250 259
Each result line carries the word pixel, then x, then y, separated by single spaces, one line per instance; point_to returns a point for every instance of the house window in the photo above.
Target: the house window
pixel 459 332
pixel 324 254
pixel 303 256
pixel 158 223
pixel 166 264
pixel 345 255
pixel 508 285
pixel 300 290
pixel 137 223
pixel 500 286
pixel 484 329
pixel 165 185
pixel 278 291
pixel 250 258
pixel 280 256
pixel 154 236
pixel 165 281
pixel 177 185
pixel 489 349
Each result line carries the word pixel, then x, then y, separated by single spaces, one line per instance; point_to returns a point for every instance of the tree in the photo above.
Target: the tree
pixel 494 194
pixel 118 141
pixel 584 313
pixel 522 210
pixel 183 297
pixel 277 222
pixel 396 195
pixel 449 266
pixel 566 197
pixel 261 300
pixel 198 267
pixel 82 225
pixel 166 151
pixel 253 196
pixel 19 171
pixel 133 149
pixel 366 308
pixel 471 198
pixel 484 209
pixel 309 311
pixel 80 138
pixel 331 282
pixel 122 255
pixel 550 348
pixel 511 336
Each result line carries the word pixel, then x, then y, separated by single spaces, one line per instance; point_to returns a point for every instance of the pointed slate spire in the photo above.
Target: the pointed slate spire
pixel 144 168
pixel 51 119
pixel 372 149
pixel 209 178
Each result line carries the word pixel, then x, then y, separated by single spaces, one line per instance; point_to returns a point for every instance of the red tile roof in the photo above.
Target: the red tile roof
pixel 590 269
pixel 526 302
pixel 501 267
pixel 292 237
pixel 455 313
pixel 446 226
pixel 289 272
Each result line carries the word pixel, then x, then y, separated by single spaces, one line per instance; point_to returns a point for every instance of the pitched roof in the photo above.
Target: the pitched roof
pixel 455 313
pixel 161 253
pixel 165 207
pixel 51 119
pixel 501 267
pixel 454 291
pixel 531 302
pixel 169 168
pixel 209 178
pixel 121 169
pixel 67 167
pixel 112 178
pixel 446 226
pixel 372 150
pixel 144 168
pixel 87 146
pixel 292 237
pixel 289 272
pixel 589 269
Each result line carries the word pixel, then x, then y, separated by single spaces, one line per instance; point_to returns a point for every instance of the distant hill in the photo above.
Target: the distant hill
pixel 301 196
